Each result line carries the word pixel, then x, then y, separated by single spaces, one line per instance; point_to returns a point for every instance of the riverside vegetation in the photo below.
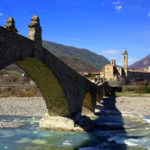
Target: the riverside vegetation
pixel 135 91
pixel 14 82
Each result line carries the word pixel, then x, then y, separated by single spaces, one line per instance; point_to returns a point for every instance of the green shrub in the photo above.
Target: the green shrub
pixel 140 89
pixel 144 89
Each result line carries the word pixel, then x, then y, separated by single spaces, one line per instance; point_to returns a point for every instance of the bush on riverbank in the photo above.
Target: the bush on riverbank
pixel 134 91
pixel 141 89
pixel 20 92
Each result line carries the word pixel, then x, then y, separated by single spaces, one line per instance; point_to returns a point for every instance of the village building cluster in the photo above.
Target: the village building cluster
pixel 112 72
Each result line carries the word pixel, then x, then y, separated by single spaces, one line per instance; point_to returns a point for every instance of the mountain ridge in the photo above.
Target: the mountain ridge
pixel 81 54
pixel 78 65
pixel 141 64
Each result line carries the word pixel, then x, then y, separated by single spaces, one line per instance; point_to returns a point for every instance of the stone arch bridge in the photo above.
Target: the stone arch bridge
pixel 64 90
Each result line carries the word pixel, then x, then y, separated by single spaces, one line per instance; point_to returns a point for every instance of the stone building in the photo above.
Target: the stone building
pixel 112 72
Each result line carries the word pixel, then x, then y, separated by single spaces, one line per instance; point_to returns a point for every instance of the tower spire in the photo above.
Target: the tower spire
pixel 125 61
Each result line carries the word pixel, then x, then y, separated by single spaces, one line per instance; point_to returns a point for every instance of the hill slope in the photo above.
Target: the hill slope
pixel 72 53
pixel 78 65
pixel 141 64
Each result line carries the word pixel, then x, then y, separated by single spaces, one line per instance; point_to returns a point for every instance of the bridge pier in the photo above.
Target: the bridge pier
pixel 77 121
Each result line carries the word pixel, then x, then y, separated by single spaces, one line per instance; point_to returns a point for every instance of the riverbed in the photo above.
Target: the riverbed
pixel 118 128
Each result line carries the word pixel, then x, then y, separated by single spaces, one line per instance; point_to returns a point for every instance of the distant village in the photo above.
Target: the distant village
pixel 111 72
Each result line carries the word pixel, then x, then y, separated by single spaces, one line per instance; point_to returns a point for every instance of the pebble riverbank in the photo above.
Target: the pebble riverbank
pixel 126 105
pixel 134 105
pixel 14 109
pixel 36 107
pixel 23 106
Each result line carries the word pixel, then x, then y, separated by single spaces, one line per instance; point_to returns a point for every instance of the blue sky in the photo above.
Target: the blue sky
pixel 105 27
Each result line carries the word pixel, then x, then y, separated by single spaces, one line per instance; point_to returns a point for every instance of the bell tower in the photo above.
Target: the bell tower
pixel 125 61
pixel 113 62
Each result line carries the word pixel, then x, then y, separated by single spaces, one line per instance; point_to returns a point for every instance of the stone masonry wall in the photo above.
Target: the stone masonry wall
pixel 13 47
pixel 138 76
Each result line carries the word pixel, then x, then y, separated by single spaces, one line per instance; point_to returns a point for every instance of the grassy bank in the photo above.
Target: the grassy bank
pixel 135 91
pixel 20 92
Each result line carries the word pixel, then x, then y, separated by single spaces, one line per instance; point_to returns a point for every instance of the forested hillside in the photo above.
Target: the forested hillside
pixel 72 53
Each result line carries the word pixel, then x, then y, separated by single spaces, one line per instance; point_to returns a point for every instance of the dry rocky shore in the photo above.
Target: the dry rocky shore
pixel 134 105
pixel 20 108
pixel 125 105
pixel 36 107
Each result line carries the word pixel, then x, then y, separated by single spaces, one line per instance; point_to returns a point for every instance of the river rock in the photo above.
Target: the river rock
pixel 58 122
pixel 4 125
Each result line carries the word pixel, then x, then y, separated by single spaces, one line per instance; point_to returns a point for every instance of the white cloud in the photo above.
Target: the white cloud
pixel 149 14
pixel 118 8
pixel 110 52
pixel 116 3
pixel 1 14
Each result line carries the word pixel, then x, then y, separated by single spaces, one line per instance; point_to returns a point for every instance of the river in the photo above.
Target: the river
pixel 135 136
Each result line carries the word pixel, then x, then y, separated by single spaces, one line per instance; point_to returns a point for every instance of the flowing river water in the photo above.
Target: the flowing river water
pixel 135 136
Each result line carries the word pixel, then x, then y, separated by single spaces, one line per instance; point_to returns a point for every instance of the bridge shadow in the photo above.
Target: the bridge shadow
pixel 109 128
pixel 109 131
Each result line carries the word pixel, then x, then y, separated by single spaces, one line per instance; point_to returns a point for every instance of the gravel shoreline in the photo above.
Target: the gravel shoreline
pixel 14 109
pixel 134 105
pixel 24 107
pixel 139 106
pixel 36 107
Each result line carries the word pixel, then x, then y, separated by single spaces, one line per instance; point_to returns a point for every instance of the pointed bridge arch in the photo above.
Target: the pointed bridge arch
pixel 58 76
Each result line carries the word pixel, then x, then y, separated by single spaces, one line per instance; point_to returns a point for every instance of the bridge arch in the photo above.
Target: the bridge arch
pixel 15 48
pixel 88 107
pixel 48 85
pixel 26 52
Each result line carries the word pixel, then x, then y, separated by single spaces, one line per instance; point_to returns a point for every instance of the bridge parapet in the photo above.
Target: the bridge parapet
pixel 13 47
pixel 35 34
pixel 10 25
pixel 35 30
